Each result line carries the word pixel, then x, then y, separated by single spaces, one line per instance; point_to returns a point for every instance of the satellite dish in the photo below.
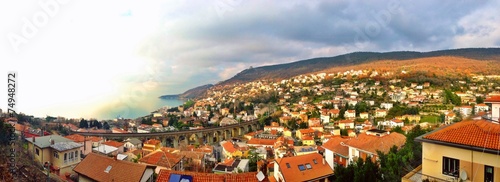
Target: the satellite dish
pixel 463 175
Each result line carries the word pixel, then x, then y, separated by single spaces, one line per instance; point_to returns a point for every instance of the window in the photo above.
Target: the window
pixel 65 156
pixel 315 162
pixel 451 166
pixel 308 166
pixel 287 165
pixel 340 159
pixel 56 155
pixel 488 174
pixel 302 168
pixel 37 152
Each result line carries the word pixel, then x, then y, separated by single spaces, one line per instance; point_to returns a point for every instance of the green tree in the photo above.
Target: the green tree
pixel 84 123
pixel 106 125
pixel 479 100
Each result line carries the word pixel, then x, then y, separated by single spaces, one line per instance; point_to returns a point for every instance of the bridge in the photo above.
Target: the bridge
pixel 206 135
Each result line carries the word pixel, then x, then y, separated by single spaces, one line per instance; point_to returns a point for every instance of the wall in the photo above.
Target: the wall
pixel 471 161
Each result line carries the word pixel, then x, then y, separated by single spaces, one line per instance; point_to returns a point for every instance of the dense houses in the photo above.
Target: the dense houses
pixel 315 123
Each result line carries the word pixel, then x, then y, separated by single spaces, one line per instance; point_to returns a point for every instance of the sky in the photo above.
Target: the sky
pixel 88 58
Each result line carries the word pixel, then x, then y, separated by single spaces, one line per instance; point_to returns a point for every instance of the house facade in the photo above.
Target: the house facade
pixel 464 150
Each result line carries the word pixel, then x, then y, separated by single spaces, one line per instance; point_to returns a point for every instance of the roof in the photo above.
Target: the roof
pixel 44 141
pixel 76 138
pixel 113 143
pixel 475 133
pixel 318 170
pixel 228 146
pixel 152 142
pixel 94 165
pixel 161 158
pixel 258 141
pixel 94 139
pixel 174 176
pixel 334 144
pixel 346 121
pixel 105 149
pixel 63 146
pixel 491 99
pixel 373 143
pixel 134 141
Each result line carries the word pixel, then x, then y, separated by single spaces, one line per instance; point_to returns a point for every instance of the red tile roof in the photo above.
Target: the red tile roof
pixel 476 133
pixel 152 142
pixel 495 98
pixel 334 144
pixel 94 165
pixel 164 176
pixel 319 169
pixel 113 143
pixel 161 158
pixel 257 141
pixel 228 146
pixel 372 143
pixel 76 138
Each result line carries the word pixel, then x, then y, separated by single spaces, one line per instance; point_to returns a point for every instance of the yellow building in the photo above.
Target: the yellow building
pixel 308 140
pixel 287 132
pixel 60 153
pixel 467 150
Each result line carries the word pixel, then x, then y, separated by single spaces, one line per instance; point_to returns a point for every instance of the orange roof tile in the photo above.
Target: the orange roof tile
pixel 152 142
pixel 257 141
pixel 307 137
pixel 164 176
pixel 476 133
pixel 161 158
pixel 76 138
pixel 495 98
pixel 113 143
pixel 334 144
pixel 372 143
pixel 228 146
pixel 94 166
pixel 319 169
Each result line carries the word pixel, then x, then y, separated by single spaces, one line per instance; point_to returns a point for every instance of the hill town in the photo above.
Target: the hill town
pixel 352 125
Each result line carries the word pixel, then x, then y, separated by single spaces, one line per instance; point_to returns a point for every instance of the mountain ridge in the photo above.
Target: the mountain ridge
pixel 315 65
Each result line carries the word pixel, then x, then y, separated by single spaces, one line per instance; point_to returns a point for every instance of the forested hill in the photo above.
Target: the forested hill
pixel 283 71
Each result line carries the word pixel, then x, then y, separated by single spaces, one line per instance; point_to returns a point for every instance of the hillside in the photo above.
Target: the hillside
pixel 288 70
pixel 191 93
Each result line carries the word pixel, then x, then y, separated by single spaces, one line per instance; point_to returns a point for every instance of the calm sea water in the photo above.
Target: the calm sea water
pixel 140 108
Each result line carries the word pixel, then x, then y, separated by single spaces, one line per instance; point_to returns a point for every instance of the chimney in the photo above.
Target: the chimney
pixel 33 139
pixel 52 142
pixel 225 169
pixel 323 161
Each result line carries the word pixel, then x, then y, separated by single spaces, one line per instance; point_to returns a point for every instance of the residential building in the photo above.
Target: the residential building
pixel 346 124
pixel 336 152
pixel 368 143
pixel 178 176
pixel 495 106
pixel 309 167
pixel 308 140
pixel 304 132
pixel 303 150
pixel 481 107
pixel 106 150
pixel 380 113
pixel 350 114
pixel 232 166
pixel 464 150
pixel 101 168
pixel 163 158
pixel 86 143
pixel 60 153
pixel 151 145
pixel 132 144
pixel 118 145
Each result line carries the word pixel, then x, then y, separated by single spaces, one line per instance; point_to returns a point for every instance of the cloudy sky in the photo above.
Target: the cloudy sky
pixel 86 58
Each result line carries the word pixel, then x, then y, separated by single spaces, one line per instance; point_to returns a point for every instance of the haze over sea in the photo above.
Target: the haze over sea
pixel 139 109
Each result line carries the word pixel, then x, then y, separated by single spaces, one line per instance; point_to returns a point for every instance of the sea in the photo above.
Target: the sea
pixel 141 108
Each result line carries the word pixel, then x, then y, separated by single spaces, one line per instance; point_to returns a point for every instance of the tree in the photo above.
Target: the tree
pixel 398 129
pixel 303 125
pixel 479 100
pixel 106 125
pixel 84 123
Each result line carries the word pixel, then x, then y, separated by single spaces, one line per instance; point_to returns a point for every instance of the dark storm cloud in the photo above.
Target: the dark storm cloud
pixel 215 46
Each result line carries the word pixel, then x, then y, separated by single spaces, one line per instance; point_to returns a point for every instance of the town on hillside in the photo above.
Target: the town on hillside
pixel 357 125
